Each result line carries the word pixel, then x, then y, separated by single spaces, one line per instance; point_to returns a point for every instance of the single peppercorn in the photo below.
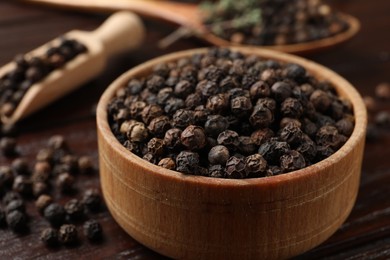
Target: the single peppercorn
pixel 55 214
pixel 57 142
pixel 281 90
pixel 68 234
pixel 255 165
pixel 217 103
pixel 246 145
pixel 159 125
pixel 259 90
pixel 261 117
pixel 217 171
pixel 10 196
pixel 187 162
pixel 193 137
pixel 273 171
pixel 172 138
pixel 156 146
pixel 42 202
pixel 17 221
pixel 20 166
pixel 49 236
pixel 167 163
pixel 261 136
pixel 229 138
pixel 291 134
pixel 292 161
pixel 382 91
pixel 382 119
pixel 93 230
pixel 39 188
pixel 22 184
pixel 85 164
pixel 291 107
pixel 235 168
pixel 8 146
pixel 329 136
pixel 320 100
pixel 183 118
pixel 272 150
pixel 65 182
pixel 241 106
pixel 74 209
pixel 92 199
pixel 215 124
pixel 218 154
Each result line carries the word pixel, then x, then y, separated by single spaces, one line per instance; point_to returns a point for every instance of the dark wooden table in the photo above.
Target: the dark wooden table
pixel 365 62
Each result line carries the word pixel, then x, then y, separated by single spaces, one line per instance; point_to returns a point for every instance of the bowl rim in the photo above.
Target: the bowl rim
pixel 342 86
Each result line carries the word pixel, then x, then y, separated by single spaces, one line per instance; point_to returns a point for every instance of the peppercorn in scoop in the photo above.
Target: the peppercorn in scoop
pixel 228 115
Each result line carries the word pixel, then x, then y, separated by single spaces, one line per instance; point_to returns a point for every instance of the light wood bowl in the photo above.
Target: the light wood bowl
pixel 198 217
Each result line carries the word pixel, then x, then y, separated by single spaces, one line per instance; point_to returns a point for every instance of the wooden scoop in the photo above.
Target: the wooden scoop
pixel 120 32
pixel 189 15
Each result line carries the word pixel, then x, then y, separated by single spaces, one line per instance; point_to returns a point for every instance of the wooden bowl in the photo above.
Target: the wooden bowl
pixel 196 217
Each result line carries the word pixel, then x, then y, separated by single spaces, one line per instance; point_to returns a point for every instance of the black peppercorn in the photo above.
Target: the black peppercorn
pixel 235 168
pixel 272 150
pixel 85 164
pixel 173 104
pixel 39 188
pixel 92 199
pixel 217 171
pixel 65 182
pixel 10 196
pixel 150 112
pixel 20 166
pixel 155 83
pixel 183 88
pixel 229 139
pixel 292 161
pixel 320 100
pixel 291 107
pixel 382 119
pixel 217 103
pixel 55 214
pixel 241 106
pixel 57 142
pixel 259 90
pixel 17 221
pixel 261 117
pixel 183 118
pixel 172 138
pixel 255 165
pixel 163 95
pixel 215 124
pixel 42 202
pixel 291 134
pixel 187 162
pixel 329 136
pixel 8 146
pixel 273 171
pixel 193 100
pixel 281 90
pixel 167 163
pixel 49 236
pixel 74 209
pixel 219 154
pixel 22 184
pixel 261 136
pixel 67 234
pixel 93 230
pixel 246 145
pixel 193 137
pixel 345 126
pixel 159 125
pixel 137 132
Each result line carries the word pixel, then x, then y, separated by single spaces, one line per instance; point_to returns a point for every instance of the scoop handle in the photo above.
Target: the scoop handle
pixel 122 31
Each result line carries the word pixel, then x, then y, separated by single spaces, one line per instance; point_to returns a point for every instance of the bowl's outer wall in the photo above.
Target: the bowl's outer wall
pixel 196 217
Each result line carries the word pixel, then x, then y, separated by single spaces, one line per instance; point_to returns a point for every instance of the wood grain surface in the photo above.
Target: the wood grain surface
pixel 365 62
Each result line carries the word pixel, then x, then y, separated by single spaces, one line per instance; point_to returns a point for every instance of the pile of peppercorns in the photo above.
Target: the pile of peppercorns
pixel 378 119
pixel 228 115
pixel 271 22
pixel 30 70
pixel 55 171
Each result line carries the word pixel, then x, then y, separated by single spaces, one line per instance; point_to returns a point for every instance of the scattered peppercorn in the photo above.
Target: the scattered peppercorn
pixel 68 234
pixel 42 202
pixel 17 221
pixel 74 209
pixel 92 199
pixel 55 214
pixel 49 236
pixel 382 91
pixel 93 230
pixel 8 146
